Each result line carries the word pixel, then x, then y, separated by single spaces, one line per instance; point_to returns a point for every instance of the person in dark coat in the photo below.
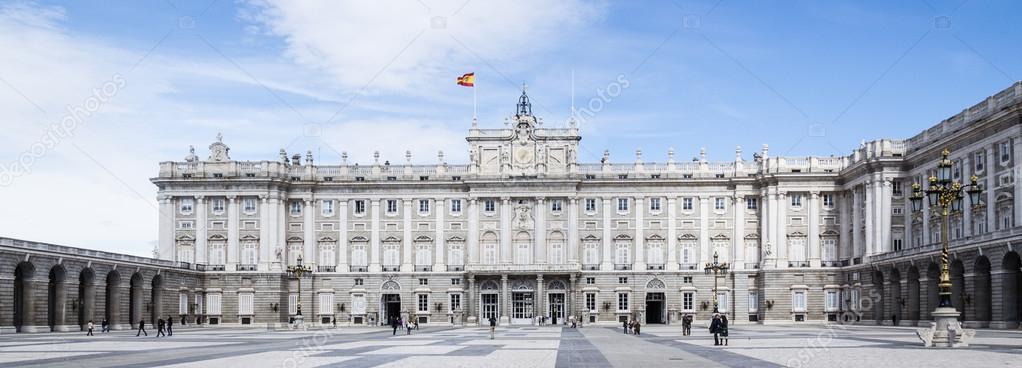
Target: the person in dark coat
pixel 723 328
pixel 636 327
pixel 624 326
pixel 394 323
pixel 170 325
pixel 686 325
pixel 141 328
pixel 493 327
pixel 715 329
pixel 105 325
pixel 161 326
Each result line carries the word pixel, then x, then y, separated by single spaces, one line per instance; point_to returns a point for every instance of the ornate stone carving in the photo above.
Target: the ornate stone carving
pixel 523 217
pixel 656 283
pixel 390 285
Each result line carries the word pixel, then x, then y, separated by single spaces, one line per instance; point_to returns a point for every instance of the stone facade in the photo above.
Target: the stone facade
pixel 524 231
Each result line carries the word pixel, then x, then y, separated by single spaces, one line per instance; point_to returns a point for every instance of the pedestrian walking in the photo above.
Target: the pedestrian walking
pixel 394 323
pixel 90 329
pixel 170 325
pixel 141 328
pixel 573 322
pixel 686 325
pixel 416 323
pixel 624 326
pixel 161 326
pixel 493 326
pixel 409 326
pixel 723 328
pixel 715 329
pixel 637 327
pixel 105 325
pixel 894 319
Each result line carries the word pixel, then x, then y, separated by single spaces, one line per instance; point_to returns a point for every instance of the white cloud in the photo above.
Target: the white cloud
pixel 416 43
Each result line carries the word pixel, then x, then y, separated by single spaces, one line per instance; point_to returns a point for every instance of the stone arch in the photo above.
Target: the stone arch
pixel 982 298
pixel 112 311
pixel 878 306
pixel 932 289
pixel 86 297
pixel 556 285
pixel 958 287
pixel 57 298
pixel 390 285
pixel 1011 289
pixel 895 297
pixel 912 302
pixel 489 285
pixel 24 313
pixel 135 295
pixel 656 284
pixel 156 305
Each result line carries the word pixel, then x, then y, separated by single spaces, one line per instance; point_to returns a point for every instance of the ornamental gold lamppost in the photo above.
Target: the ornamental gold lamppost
pixel 945 197
pixel 297 271
pixel 716 268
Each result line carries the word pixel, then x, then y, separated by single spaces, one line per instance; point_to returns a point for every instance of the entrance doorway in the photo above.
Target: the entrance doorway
pixel 489 307
pixel 521 308
pixel 654 308
pixel 556 308
pixel 391 307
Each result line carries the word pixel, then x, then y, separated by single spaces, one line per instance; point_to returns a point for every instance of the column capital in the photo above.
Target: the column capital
pixel 264 197
pixel 232 197
pixel 307 201
pixel 505 199
pixel 165 198
pixel 503 278
pixel 200 198
pixel 539 277
pixel 814 194
pixel 573 199
pixel 473 200
pixel 540 199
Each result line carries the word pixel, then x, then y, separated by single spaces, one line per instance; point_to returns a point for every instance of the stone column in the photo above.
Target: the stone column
pixel 407 264
pixel 845 219
pixel 967 204
pixel 167 227
pixel 767 241
pixel 704 229
pixel 814 229
pixel 572 290
pixel 640 234
pixel 442 206
pixel 672 234
pixel 280 233
pixel 738 238
pixel 857 222
pixel 540 219
pixel 200 229
pixel 473 232
pixel 887 193
pixel 342 241
pixel 608 243
pixel 1016 160
pixel 867 246
pixel 231 258
pixel 991 179
pixel 470 309
pixel 265 225
pixel 374 235
pixel 505 316
pixel 781 232
pixel 505 230
pixel 540 297
pixel 309 241
pixel 573 230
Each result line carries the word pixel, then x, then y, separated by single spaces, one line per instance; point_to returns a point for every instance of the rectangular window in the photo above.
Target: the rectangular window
pixel 722 304
pixel 182 304
pixel 622 301
pixel 590 204
pixel 591 302
pixel 391 206
pixel 187 205
pixel 753 302
pixel 832 300
pixel 622 280
pixel 896 187
pixel 489 205
pixel 796 200
pixel 622 204
pixel 688 300
pixel 198 304
pixel 686 204
pixel 249 205
pixel 798 301
pixel 555 205
pixel 654 204
pixel 455 303
pixel 296 208
pixel 455 206
pixel 326 303
pixel 828 200
pixel 360 207
pixel 423 281
pixel 590 280
pixel 327 207
pixel 686 279
pixel 423 206
pixel 718 204
pixel 455 281
pixel 292 304
pixel 218 205
pixel 1005 152
pixel 978 161
pixel 359 281
pixel 423 303
pixel 213 304
pixel 751 203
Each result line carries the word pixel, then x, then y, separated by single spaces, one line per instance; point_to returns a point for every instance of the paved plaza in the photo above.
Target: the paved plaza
pixel 593 346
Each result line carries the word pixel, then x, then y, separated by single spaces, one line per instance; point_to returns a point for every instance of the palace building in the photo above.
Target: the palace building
pixel 525 233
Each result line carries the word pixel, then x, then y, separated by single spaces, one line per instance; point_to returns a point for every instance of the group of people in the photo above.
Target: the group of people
pixel 91 326
pixel 718 327
pixel 396 322
pixel 164 327
pixel 631 326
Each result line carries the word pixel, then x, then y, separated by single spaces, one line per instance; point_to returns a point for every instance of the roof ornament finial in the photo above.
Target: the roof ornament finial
pixel 524 106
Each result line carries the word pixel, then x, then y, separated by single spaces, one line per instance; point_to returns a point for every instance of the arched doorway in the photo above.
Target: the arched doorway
pixel 958 288
pixel 135 300
pixel 878 306
pixel 982 291
pixel 57 298
pixel 1011 289
pixel 895 297
pixel 912 305
pixel 156 305
pixel 86 297
pixel 390 301
pixel 23 305
pixel 112 310
pixel 932 289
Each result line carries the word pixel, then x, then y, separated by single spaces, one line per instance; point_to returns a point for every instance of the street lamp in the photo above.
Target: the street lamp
pixel 945 195
pixel 716 267
pixel 298 270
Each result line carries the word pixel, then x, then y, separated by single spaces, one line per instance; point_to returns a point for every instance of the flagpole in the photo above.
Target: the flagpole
pixel 473 100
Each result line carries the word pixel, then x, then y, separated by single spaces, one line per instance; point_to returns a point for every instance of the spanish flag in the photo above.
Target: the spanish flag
pixel 467 80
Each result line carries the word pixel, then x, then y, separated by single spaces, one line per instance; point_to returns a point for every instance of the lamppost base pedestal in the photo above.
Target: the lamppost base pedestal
pixel 299 322
pixel 945 330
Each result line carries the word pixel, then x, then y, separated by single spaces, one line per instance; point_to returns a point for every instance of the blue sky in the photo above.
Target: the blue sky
pixel 805 77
